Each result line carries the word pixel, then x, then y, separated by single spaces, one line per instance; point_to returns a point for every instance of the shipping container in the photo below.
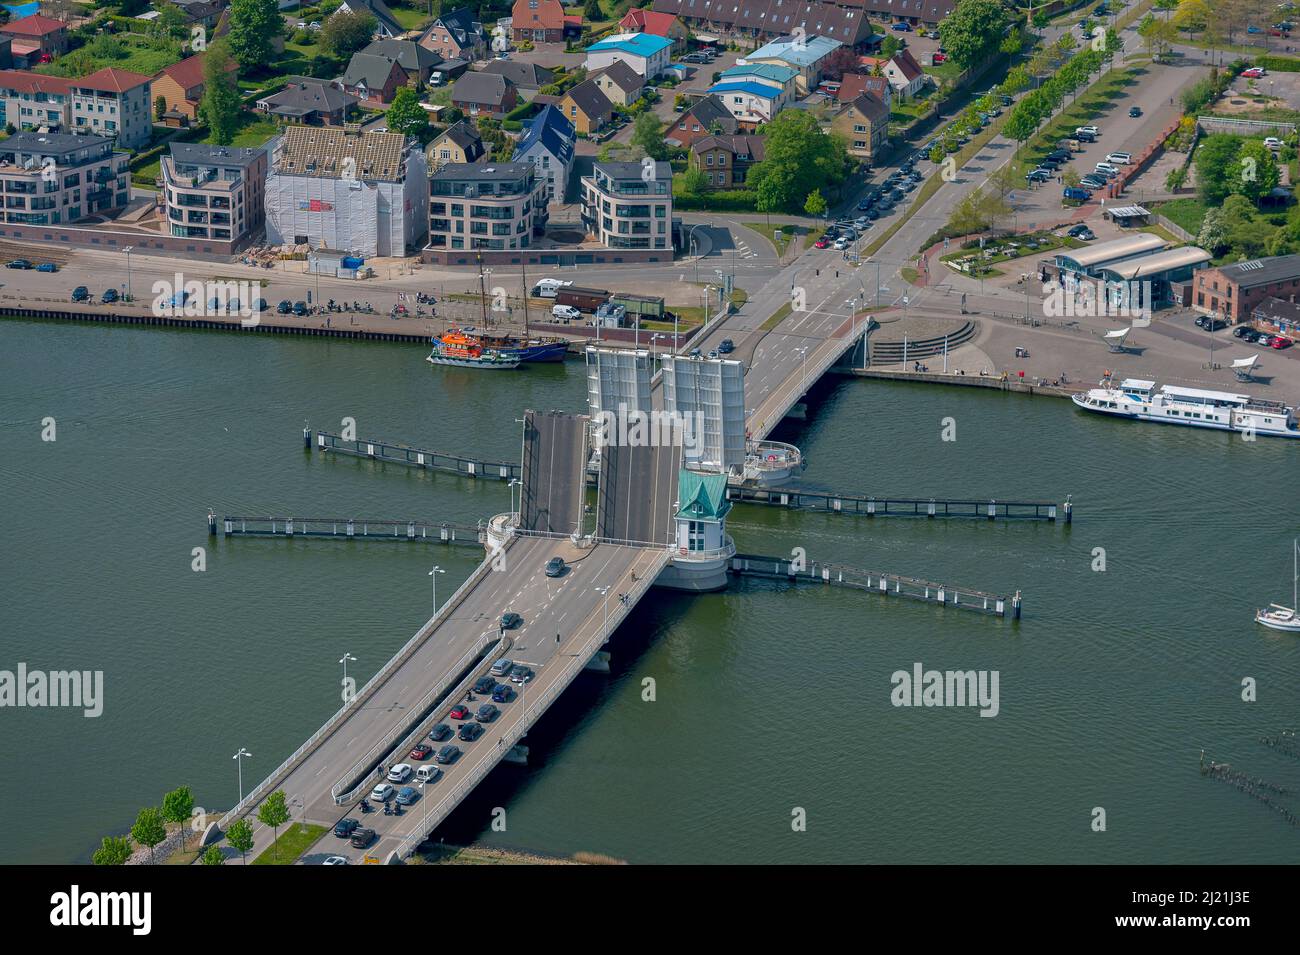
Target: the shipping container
pixel 646 306
pixel 587 299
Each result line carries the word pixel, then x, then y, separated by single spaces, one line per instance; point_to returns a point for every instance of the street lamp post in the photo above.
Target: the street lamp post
pixel 433 575
pixel 127 250
pixel 514 483
pixel 604 593
pixel 239 760
pixel 346 658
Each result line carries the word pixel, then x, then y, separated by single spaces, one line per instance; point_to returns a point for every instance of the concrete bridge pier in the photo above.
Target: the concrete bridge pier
pixel 599 663
pixel 518 755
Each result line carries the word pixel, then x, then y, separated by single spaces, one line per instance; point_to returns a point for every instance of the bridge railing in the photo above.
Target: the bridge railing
pixel 402 736
pixel 601 628
pixel 256 794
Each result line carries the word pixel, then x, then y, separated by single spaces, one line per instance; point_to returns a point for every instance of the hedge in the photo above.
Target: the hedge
pixel 739 200
pixel 1280 64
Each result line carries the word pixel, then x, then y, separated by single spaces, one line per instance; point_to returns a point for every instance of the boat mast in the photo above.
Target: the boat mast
pixel 523 271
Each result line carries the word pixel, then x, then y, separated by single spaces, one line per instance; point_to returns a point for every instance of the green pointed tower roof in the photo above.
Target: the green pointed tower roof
pixel 702 496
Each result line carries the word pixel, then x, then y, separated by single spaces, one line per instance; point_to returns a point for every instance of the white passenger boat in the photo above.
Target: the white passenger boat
pixel 1224 411
pixel 1278 617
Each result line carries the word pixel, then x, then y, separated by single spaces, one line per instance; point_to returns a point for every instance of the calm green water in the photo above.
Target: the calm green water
pixel 768 698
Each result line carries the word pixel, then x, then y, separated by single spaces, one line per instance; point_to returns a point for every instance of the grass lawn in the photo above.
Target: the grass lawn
pixel 254 130
pixel 1187 213
pixel 140 58
pixel 410 19
pixel 781 239
pixel 293 842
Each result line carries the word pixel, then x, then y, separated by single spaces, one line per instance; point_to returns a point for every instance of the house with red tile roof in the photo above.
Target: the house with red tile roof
pixel 665 25
pixel 180 86
pixel 35 39
pixel 853 85
pixel 540 21
pixel 905 74
pixel 113 102
pixel 33 101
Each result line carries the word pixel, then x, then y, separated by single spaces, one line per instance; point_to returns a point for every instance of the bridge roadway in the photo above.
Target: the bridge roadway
pixel 569 606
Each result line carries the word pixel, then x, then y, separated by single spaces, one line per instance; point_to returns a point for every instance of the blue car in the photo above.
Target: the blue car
pixel 47 267
pixel 903 27
pixel 110 295
pixel 1083 195
pixel 503 693
pixel 407 795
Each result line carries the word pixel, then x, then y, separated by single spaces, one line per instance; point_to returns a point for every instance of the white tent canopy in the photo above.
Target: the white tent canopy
pixel 1245 363
pixel 1119 334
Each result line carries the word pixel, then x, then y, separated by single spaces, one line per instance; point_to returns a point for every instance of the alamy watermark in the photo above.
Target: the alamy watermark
pixel 922 687
pixel 1095 299
pixel 82 689
pixel 649 429
pixel 206 299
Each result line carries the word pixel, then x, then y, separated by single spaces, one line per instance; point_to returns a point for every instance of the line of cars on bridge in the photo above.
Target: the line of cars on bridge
pixel 471 726
pixel 877 201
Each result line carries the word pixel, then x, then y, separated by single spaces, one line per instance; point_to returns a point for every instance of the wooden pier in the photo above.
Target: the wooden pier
pixel 863 505
pixel 395 453
pixel 886 585
pixel 423 532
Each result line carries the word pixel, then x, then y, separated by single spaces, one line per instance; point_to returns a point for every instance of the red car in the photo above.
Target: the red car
pixel 1274 31
pixel 940 58
pixel 1254 73
pixel 821 243
pixel 421 751
pixel 1280 342
pixel 459 712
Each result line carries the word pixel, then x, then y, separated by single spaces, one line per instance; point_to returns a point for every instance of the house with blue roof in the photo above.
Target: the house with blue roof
pixel 547 143
pixel 782 78
pixel 805 54
pixel 749 101
pixel 645 53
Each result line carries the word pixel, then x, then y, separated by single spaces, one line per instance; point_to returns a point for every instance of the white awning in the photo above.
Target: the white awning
pixel 705 38
pixel 1128 212
pixel 1245 362
pixel 1119 334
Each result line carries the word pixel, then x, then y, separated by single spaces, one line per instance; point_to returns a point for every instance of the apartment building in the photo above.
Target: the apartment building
pixel 112 102
pixel 214 192
pixel 54 178
pixel 623 209
pixel 494 207
pixel 33 101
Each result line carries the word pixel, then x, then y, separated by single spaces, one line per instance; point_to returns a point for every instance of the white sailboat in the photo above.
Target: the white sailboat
pixel 1278 617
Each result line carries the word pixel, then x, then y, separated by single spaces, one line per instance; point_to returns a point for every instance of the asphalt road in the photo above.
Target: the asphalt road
pixel 554 471
pixel 637 492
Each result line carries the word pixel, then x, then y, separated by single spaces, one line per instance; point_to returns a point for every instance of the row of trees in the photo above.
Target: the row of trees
pixel 1039 105
pixel 974 31
pixel 150 829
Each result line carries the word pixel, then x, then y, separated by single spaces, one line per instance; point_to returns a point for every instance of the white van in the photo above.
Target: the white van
pixel 427 774
pixel 565 313
pixel 549 288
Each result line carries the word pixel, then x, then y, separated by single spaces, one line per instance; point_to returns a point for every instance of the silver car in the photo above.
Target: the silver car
pixel 501 667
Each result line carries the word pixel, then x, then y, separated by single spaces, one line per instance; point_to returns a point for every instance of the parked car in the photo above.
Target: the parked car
pixel 362 838
pixel 487 713
pixel 469 732
pixel 484 684
pixel 1084 136
pixel 382 793
pixel 459 712
pixel 407 795
pixel 1135 111
pixel 1092 181
pixel 511 621
pixel 902 27
pixel 1073 192
pixel 110 295
pixel 1039 175
pixel 1081 231
pixel 501 667
pixel 1280 342
pixel 439 732
pixel 1242 331
pixel 345 827
pixel 448 754
pixel 399 773
pixel 821 243
pixel 285 307
pixel 1109 170
pixel 726 346
pixel 555 567
pixel 81 294
pixel 47 267
pixel 1120 158
pixel 19 264
pixel 420 751
pixel 300 308
pixel 520 674
pixel 565 313
pixel 1272 142
pixel 939 58
pixel 503 693
pixel 1254 72
pixel 841 243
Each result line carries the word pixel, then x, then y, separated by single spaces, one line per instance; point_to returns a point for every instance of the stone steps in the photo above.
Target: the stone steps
pixel 891 352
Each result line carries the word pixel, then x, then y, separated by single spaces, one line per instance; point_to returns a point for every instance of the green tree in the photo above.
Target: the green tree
pixel 1215 159
pixel 346 32
pixel 648 134
pixel 889 46
pixel 274 812
pixel 798 158
pixel 1176 178
pixel 177 806
pixel 1256 173
pixel 973 31
pixel 406 115
pixel 240 837
pixel 591 11
pixel 171 19
pixel 694 183
pixel 1211 238
pixel 114 850
pixel 159 107
pixel 212 856
pixel 252 25
pixel 220 107
pixel 815 204
pixel 149 828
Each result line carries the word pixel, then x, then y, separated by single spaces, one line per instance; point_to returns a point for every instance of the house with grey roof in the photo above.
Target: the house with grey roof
pixel 372 78
pixel 416 61
pixel 484 94
pixel 309 102
pixel 526 77
pixel 547 143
